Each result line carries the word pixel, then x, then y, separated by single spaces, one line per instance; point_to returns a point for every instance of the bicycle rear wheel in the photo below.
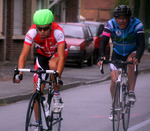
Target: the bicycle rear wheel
pixel 126 111
pixel 116 108
pixel 55 119
pixel 56 124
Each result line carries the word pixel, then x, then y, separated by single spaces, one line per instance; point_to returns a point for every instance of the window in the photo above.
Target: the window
pixel 88 33
pixel 41 4
pixel 1 16
pixel 73 31
pixel 18 6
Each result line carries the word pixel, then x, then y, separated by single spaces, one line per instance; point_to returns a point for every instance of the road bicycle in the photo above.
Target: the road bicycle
pixel 121 105
pixel 52 122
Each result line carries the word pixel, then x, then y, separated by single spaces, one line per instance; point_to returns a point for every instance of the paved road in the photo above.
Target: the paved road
pixel 86 108
pixel 72 77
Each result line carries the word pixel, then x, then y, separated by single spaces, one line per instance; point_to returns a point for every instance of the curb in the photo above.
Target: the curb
pixel 26 96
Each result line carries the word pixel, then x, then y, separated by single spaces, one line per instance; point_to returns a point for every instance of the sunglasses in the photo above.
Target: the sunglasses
pixel 43 28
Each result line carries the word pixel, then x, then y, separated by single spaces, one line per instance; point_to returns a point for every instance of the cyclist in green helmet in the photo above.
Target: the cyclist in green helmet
pixel 50 47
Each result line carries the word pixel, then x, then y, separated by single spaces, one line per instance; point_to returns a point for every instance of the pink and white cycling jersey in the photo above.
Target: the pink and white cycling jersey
pixel 48 46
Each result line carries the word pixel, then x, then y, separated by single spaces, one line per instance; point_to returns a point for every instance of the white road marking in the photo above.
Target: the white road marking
pixel 134 128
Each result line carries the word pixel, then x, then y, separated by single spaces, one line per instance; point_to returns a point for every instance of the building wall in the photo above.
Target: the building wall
pixel 19 39
pixel 71 10
pixel 1 31
pixel 1 15
pixel 10 49
pixel 97 10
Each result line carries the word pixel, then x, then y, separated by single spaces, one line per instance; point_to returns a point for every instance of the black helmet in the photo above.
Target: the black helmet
pixel 122 10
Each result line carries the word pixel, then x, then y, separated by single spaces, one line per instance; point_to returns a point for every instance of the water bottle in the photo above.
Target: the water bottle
pixel 46 107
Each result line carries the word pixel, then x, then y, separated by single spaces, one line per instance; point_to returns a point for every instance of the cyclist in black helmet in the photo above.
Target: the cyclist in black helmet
pixel 127 34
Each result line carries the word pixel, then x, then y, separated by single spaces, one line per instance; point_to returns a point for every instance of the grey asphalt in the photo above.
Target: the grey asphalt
pixel 72 76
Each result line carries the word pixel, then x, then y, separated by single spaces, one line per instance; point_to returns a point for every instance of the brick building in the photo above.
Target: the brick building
pixel 97 10
pixel 16 18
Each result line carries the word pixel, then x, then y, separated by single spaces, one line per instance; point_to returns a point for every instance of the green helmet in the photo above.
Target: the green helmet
pixel 43 17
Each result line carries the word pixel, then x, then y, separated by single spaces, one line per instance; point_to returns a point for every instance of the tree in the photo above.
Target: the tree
pixel 131 5
pixel 142 11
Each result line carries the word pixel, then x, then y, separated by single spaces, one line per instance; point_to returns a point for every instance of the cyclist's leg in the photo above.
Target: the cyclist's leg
pixel 36 103
pixel 132 78
pixel 41 63
pixel 131 73
pixel 53 66
pixel 114 75
pixel 53 63
pixel 113 68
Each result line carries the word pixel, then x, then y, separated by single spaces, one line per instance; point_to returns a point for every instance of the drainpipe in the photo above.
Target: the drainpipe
pixel 5 29
pixel 79 6
pixel 51 5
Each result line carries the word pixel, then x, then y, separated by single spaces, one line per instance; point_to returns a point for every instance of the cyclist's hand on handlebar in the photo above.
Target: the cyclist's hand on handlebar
pixel 100 64
pixel 17 77
pixel 135 61
pixel 100 61
pixel 57 80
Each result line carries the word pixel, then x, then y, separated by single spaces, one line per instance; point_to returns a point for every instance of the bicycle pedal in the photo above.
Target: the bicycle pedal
pixel 58 112
pixel 132 104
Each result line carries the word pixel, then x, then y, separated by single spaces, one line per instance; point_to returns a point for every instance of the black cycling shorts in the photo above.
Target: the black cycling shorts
pixel 41 63
pixel 116 56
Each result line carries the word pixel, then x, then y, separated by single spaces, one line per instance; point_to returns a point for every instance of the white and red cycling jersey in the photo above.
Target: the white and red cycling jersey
pixel 47 46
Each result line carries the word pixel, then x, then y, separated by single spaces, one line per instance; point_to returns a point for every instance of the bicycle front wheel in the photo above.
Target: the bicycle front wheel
pixel 116 108
pixel 126 110
pixel 31 121
pixel 35 117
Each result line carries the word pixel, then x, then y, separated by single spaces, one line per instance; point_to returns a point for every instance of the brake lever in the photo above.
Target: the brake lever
pixel 16 71
pixel 101 68
pixel 56 77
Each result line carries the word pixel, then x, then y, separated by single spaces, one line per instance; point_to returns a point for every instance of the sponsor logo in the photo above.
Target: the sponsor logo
pixel 118 32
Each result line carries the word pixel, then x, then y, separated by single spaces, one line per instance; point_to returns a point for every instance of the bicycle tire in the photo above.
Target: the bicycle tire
pixel 30 117
pixel 116 108
pixel 49 119
pixel 126 106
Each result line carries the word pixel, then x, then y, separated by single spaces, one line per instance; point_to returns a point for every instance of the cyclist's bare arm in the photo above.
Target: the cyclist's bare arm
pixel 61 58
pixel 22 59
pixel 23 56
